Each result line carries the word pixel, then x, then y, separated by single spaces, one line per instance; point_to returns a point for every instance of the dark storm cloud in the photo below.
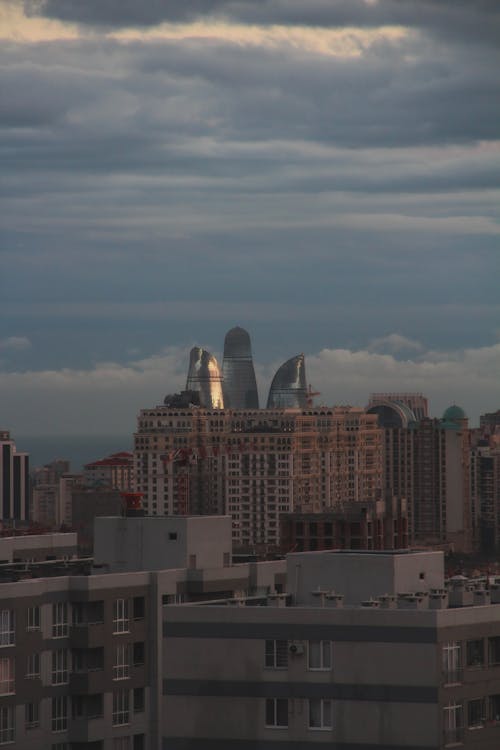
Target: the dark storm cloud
pixel 147 109
pixel 468 19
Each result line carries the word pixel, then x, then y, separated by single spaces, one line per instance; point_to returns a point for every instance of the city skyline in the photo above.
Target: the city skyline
pixel 107 398
pixel 323 174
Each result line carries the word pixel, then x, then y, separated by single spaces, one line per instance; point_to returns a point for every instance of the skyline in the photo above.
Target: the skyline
pixel 324 174
pixel 106 400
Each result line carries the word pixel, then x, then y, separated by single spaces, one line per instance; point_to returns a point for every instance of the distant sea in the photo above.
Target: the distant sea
pixel 79 449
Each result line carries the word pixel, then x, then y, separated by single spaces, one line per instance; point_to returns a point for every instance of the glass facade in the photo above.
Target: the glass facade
pixel 288 389
pixel 239 384
pixel 204 377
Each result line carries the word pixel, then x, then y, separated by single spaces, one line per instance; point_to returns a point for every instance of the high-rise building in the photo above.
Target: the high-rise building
pixel 395 418
pixel 441 490
pixel 14 480
pixel 256 464
pixel 204 377
pixel 426 461
pixel 289 388
pixel 490 422
pixel 239 384
pixel 485 494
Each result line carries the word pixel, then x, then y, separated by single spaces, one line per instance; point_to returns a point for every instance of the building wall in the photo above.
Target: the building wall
pixel 217 682
pixel 147 543
pixel 388 680
pixel 255 465
pixel 359 577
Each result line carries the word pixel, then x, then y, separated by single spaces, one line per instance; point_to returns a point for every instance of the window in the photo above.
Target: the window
pixel 139 607
pixel 452 662
pixel 33 666
pixel 59 713
pixel 7 627
pixel 31 715
pixel 121 666
pixel 277 712
pixel 320 714
pixel 138 700
pixel 7 730
pixel 121 711
pixel 494 712
pixel 139 743
pixel 138 653
pixel 320 655
pixel 7 675
pixel 120 616
pixel 475 653
pixel 60 667
pixel 121 743
pixel 33 618
pixel 476 713
pixel 452 724
pixel 494 650
pixel 77 707
pixel 60 620
pixel 276 654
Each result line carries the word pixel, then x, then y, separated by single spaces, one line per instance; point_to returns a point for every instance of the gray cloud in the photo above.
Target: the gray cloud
pixel 479 19
pixel 15 343
pixel 154 191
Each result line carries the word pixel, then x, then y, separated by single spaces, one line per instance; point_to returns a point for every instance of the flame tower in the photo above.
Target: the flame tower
pixel 239 384
pixel 288 389
pixel 205 378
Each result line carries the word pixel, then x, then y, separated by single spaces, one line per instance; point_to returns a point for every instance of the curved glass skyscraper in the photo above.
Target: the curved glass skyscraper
pixel 288 389
pixel 205 378
pixel 239 384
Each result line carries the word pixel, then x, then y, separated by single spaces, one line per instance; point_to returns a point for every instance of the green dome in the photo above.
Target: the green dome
pixel 454 414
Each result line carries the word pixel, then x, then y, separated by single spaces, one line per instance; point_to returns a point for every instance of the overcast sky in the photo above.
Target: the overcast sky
pixel 324 173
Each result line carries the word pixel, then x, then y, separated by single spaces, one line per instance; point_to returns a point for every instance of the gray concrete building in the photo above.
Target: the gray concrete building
pixel 402 670
pixel 81 652
pixel 352 650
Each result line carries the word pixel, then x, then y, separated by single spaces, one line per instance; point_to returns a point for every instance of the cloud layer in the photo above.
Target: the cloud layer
pixel 323 173
pixel 107 398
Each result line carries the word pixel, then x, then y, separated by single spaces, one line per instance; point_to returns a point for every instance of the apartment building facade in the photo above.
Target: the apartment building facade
pixel 80 652
pixel 256 464
pixel 395 671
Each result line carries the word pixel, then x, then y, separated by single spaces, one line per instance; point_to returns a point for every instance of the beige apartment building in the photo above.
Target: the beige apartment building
pixel 255 465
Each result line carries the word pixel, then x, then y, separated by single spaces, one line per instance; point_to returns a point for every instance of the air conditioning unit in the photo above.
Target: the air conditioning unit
pixel 296 648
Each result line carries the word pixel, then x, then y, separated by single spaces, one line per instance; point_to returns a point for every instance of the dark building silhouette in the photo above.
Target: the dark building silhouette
pixel 239 384
pixel 14 480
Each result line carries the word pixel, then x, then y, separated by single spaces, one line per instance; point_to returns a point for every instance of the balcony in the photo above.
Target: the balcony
pixel 88 635
pixel 87 729
pixel 87 683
